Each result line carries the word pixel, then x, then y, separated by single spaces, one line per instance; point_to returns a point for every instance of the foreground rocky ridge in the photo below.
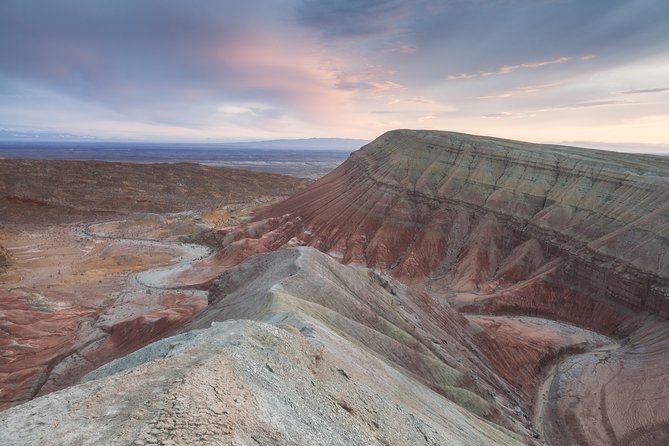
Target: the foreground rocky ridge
pixel 336 373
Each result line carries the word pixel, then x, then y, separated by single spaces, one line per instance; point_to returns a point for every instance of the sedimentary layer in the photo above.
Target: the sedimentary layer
pixel 490 285
pixel 476 214
pixel 532 243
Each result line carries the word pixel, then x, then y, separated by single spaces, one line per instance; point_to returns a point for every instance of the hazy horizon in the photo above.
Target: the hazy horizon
pixel 306 144
pixel 545 71
pixel 73 139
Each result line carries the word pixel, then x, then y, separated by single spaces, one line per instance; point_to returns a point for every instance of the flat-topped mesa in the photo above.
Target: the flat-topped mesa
pixel 491 216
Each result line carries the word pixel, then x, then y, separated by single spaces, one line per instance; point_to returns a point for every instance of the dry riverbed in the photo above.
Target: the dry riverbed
pixel 78 295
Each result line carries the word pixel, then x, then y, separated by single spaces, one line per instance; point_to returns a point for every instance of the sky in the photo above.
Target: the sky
pixel 588 71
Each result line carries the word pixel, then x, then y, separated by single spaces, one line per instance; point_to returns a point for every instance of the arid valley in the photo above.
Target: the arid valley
pixel 96 258
pixel 436 288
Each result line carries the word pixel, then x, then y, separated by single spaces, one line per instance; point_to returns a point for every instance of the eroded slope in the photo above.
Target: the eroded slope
pixel 555 257
pixel 72 287
pixel 338 372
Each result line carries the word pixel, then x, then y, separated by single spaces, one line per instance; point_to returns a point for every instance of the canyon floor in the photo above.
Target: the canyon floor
pixel 436 288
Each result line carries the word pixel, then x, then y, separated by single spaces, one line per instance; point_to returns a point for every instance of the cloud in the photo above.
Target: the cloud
pixel 403 48
pixel 619 147
pixel 262 68
pixel 587 104
pixel 527 89
pixel 36 135
pixel 421 108
pixel 368 85
pixel 561 107
pixel 507 69
pixel 644 91
pixel 248 108
pixel 174 65
pixel 499 115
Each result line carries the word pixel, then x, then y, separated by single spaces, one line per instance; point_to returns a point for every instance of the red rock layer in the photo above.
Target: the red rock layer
pixel 123 338
pixel 33 339
pixel 521 348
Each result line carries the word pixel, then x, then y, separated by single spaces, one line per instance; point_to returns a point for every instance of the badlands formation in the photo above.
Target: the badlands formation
pixel 70 285
pixel 436 288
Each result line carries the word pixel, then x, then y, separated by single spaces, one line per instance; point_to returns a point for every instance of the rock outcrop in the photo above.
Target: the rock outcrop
pixel 530 242
pixel 406 328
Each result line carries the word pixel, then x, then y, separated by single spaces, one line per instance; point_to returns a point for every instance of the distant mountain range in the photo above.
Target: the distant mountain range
pixel 49 138
pixel 298 144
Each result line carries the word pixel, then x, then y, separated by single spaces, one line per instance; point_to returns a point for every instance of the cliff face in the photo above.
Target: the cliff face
pixel 490 216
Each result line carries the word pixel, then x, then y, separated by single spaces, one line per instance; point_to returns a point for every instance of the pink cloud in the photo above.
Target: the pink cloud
pixel 527 89
pixel 507 69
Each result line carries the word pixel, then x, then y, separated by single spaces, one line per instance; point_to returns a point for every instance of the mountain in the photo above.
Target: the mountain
pixel 345 144
pixel 45 139
pixel 465 213
pixel 504 230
